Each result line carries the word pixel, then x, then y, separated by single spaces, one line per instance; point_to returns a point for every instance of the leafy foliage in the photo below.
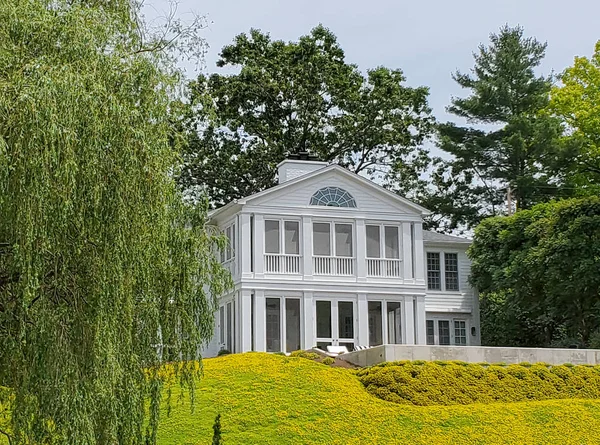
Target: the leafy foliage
pixel 104 270
pixel 509 143
pixel 540 268
pixel 457 383
pixel 577 103
pixel 300 96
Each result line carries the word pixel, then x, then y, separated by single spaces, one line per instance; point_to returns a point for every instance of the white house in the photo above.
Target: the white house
pixel 328 257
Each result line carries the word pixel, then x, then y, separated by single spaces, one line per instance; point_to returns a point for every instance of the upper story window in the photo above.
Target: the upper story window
pixel 229 252
pixel 383 242
pixel 442 271
pixel 333 197
pixel 336 242
pixel 282 237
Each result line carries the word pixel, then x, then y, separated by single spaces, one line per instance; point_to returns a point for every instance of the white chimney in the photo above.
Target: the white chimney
pixel 293 168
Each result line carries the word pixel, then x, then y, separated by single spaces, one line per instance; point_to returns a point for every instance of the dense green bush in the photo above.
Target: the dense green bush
pixel 454 383
pixel 328 361
pixel 306 354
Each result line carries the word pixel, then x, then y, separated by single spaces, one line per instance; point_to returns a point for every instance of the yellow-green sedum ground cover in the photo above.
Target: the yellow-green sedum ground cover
pixel 271 399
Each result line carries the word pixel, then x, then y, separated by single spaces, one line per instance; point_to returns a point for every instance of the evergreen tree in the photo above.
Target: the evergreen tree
pixel 510 147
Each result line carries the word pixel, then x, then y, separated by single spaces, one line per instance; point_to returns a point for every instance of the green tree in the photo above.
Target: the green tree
pixel 300 96
pixel 577 103
pixel 537 272
pixel 509 145
pixel 102 265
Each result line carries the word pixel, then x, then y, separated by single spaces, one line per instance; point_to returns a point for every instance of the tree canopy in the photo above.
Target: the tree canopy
pixel 537 272
pixel 300 96
pixel 104 270
pixel 508 146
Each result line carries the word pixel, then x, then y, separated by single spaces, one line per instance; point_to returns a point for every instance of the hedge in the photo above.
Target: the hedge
pixel 455 383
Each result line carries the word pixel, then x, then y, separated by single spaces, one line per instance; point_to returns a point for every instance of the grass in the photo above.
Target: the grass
pixel 271 399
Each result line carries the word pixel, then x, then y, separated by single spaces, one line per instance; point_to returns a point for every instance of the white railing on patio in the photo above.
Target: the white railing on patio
pixel 282 263
pixel 383 267
pixel 330 265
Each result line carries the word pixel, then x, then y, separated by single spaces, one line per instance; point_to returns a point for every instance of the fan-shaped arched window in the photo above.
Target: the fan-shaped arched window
pixel 333 197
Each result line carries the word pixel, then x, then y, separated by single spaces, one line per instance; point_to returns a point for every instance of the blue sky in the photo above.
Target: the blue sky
pixel 428 40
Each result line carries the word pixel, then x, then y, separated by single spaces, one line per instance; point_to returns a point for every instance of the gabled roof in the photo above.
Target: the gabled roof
pixel 333 167
pixel 434 237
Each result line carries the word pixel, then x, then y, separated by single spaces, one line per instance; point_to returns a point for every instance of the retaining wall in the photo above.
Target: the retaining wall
pixel 472 354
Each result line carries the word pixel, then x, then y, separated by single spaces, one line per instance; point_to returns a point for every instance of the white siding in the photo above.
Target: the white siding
pixel 461 301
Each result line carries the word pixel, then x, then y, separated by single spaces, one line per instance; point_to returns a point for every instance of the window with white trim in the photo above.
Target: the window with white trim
pixel 442 271
pixel 383 241
pixel 430 332
pixel 460 332
pixel 278 241
pixel 445 331
pixel 338 242
pixel 228 253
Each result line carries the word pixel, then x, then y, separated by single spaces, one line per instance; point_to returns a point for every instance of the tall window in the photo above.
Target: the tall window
pixel 451 271
pixel 434 281
pixel 442 271
pixel 333 197
pixel 341 245
pixel 275 243
pixel 430 333
pixel 460 332
pixel 229 252
pixel 444 332
pixel 389 248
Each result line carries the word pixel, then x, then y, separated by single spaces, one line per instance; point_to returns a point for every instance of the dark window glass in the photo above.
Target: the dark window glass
pixel 433 271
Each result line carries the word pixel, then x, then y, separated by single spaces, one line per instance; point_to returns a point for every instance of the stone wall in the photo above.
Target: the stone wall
pixel 472 354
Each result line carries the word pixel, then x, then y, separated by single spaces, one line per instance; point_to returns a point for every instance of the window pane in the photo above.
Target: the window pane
pixel 273 315
pixel 444 332
pixel 233 241
pixel 346 319
pixel 433 271
pixel 271 236
pixel 430 333
pixel 228 250
pixel 292 237
pixel 292 324
pixel 321 239
pixel 394 320
pixel 229 345
pixel 373 242
pixel 222 324
pixel 460 332
pixel 451 270
pixel 392 247
pixel 324 319
pixel 375 324
pixel 343 240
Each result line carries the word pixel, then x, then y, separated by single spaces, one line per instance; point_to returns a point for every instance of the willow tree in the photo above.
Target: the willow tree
pixel 104 271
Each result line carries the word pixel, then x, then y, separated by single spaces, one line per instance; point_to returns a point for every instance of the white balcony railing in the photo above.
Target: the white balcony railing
pixel 331 265
pixel 282 263
pixel 383 267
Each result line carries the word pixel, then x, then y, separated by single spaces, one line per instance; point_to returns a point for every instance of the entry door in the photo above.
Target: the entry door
pixel 335 323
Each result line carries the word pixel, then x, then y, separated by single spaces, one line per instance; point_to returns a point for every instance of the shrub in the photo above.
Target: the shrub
pixel 306 354
pixel 223 352
pixel 453 383
pixel 217 431
pixel 328 361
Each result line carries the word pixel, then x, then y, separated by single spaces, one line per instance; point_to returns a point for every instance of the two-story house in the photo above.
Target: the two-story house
pixel 328 257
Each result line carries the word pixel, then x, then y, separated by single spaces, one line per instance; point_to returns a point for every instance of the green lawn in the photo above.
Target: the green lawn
pixel 271 399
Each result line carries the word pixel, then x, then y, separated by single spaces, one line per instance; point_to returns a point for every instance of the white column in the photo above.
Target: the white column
pixel 408 312
pixel 363 320
pixel 309 321
pixel 384 323
pixel 246 320
pixel 420 315
pixel 361 251
pixel 419 258
pixel 307 233
pixel 407 252
pixel 260 327
pixel 244 245
pixel 259 246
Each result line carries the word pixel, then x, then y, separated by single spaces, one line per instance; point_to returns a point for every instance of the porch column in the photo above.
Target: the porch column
pixel 420 316
pixel 260 332
pixel 259 247
pixel 409 321
pixel 244 243
pixel 246 320
pixel 361 251
pixel 419 261
pixel 363 320
pixel 306 251
pixel 407 252
pixel 309 321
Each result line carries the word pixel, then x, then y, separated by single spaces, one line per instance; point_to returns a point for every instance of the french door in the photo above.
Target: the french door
pixel 335 323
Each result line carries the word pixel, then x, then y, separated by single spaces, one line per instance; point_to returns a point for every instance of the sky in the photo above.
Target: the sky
pixel 428 40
